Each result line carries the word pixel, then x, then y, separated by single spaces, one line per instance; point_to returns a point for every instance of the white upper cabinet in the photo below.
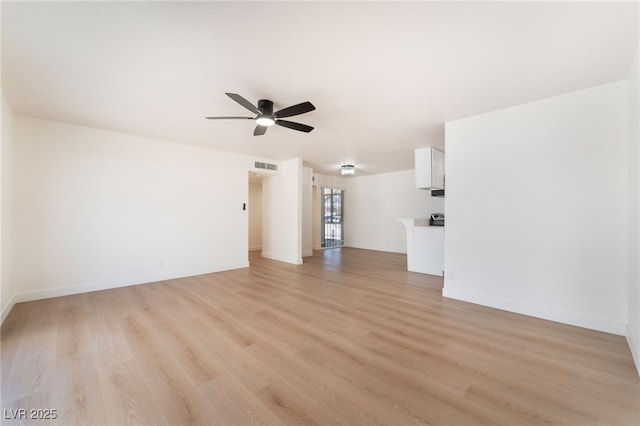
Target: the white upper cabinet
pixel 429 168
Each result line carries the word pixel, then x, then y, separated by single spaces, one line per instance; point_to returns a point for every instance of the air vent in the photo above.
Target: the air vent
pixel 266 166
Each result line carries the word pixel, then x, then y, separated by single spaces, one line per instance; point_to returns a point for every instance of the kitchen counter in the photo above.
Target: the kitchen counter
pixel 425 246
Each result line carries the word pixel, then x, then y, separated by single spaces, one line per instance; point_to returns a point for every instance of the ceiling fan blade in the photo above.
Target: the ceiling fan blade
pixel 295 110
pixel 260 130
pixel 294 126
pixel 245 103
pixel 230 118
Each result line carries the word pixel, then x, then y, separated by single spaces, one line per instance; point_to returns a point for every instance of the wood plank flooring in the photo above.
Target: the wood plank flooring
pixel 348 338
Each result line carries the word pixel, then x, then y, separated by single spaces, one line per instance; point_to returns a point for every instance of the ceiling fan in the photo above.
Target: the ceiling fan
pixel 265 116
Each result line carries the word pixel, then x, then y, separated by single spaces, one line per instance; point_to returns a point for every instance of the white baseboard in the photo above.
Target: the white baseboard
pixel 279 258
pixel 634 347
pixel 307 253
pixel 363 247
pixel 27 296
pixel 376 248
pixel 7 307
pixel 569 318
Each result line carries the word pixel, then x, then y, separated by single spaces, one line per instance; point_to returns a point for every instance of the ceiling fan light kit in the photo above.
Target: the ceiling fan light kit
pixel 347 169
pixel 265 121
pixel 265 117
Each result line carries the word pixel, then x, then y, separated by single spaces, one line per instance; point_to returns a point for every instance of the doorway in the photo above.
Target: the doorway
pixel 332 227
pixel 255 212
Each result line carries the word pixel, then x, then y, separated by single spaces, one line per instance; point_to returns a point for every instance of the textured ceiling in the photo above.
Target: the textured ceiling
pixel 384 76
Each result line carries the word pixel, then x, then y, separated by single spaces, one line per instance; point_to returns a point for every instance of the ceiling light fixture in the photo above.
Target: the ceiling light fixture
pixel 348 169
pixel 265 121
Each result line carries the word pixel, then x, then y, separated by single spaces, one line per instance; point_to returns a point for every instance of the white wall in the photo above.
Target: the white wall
pixel 373 203
pixel 537 208
pixel 328 181
pixel 633 319
pixel 307 214
pixel 315 218
pixel 282 213
pixel 6 212
pixel 255 216
pixel 95 209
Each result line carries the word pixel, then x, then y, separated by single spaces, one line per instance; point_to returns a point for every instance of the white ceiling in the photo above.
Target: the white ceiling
pixel 383 76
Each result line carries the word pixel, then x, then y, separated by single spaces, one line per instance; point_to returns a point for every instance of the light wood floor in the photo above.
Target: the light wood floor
pixel 347 338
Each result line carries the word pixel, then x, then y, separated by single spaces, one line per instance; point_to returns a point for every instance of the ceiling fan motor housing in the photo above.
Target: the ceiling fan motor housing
pixel 266 107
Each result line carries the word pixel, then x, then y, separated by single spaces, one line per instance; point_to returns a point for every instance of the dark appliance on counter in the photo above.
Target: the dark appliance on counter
pixel 436 219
